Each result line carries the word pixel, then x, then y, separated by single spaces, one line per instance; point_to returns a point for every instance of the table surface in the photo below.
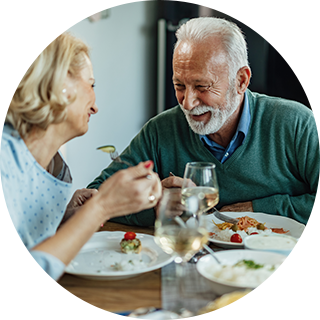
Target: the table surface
pixel 124 295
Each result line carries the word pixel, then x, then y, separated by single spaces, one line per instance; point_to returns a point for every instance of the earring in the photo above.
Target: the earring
pixel 64 90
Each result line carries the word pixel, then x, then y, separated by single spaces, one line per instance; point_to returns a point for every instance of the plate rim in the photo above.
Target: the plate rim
pixel 116 274
pixel 241 245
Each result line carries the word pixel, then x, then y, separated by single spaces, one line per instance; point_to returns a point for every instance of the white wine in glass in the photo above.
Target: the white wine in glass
pixel 179 234
pixel 200 180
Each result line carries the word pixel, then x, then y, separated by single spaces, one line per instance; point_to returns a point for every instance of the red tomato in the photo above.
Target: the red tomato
pixel 129 235
pixel 236 238
pixel 253 233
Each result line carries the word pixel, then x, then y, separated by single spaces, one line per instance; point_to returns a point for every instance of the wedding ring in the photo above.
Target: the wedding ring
pixel 149 177
pixel 151 198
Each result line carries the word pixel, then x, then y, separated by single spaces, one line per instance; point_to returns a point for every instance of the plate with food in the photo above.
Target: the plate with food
pixel 227 235
pixel 239 269
pixel 113 255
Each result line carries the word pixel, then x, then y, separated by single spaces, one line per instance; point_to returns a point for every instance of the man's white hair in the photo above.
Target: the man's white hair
pixel 232 38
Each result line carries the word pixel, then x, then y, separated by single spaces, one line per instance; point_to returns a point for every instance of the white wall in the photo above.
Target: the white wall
pixel 7 17
pixel 123 54
pixel 41 11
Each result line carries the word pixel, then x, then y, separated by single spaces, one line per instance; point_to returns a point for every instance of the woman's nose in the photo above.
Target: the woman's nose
pixel 94 109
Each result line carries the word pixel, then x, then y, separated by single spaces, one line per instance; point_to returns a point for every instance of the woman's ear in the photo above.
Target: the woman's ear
pixel 69 87
pixel 243 79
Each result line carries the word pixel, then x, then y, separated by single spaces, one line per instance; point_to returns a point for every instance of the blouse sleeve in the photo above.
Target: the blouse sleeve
pixel 25 275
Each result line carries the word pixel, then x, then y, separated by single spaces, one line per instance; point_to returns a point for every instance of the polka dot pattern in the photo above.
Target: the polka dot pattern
pixel 32 204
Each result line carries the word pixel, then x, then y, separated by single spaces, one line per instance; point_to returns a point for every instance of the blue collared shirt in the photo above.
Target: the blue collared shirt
pixel 221 153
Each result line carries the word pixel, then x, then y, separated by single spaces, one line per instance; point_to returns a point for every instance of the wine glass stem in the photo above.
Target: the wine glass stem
pixel 180 275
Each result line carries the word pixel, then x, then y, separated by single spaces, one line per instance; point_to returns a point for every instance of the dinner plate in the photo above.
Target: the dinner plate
pixel 271 221
pixel 297 270
pixel 101 257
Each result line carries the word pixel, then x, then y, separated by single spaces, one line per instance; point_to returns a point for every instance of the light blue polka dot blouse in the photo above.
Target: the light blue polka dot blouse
pixel 35 199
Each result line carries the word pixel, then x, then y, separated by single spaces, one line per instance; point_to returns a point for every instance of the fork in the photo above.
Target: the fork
pixel 115 157
pixel 222 217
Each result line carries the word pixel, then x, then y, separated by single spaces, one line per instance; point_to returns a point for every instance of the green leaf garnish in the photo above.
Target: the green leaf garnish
pixel 249 264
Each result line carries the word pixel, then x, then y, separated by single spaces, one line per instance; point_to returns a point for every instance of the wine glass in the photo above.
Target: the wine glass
pixel 179 235
pixel 200 180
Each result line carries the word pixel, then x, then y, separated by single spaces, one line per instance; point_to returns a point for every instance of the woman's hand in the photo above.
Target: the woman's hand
pixel 129 191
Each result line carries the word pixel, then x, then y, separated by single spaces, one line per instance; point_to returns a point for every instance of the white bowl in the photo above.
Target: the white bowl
pixel 278 243
pixel 207 264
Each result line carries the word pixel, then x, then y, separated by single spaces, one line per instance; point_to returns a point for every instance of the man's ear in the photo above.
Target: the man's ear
pixel 243 79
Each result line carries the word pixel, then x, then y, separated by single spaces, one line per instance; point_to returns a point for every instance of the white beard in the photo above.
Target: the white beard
pixel 219 114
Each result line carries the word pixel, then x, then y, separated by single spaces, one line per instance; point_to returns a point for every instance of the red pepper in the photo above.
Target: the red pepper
pixel 129 235
pixel 236 238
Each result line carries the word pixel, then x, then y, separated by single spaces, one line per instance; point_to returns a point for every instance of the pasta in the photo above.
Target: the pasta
pixel 291 305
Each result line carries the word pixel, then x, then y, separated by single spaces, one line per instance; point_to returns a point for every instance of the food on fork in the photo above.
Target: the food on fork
pixel 130 244
pixel 246 226
pixel 107 149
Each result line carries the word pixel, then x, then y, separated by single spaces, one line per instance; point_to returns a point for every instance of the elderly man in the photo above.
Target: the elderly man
pixel 266 149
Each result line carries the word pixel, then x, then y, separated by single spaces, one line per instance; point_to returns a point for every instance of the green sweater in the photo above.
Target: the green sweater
pixel 277 166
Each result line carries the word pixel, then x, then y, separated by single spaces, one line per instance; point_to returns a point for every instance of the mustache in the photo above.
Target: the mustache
pixel 198 110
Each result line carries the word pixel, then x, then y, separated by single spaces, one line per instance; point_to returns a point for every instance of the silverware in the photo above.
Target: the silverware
pixel 183 225
pixel 222 217
pixel 113 154
pixel 115 157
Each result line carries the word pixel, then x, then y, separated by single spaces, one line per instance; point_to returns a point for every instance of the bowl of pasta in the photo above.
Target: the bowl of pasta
pixel 250 269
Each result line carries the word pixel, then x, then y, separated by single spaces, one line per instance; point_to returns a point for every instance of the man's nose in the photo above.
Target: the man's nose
pixel 190 99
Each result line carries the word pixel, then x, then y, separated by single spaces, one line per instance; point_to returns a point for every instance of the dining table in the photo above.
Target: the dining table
pixel 122 296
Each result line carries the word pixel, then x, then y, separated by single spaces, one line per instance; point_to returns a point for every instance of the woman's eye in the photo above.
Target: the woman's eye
pixel 93 85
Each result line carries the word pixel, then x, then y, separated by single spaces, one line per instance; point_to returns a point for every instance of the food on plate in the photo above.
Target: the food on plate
pixel 130 244
pixel 236 238
pixel 131 265
pixel 270 305
pixel 245 226
pixel 246 273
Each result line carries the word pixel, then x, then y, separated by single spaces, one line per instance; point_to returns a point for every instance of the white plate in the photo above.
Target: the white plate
pixel 231 257
pixel 271 221
pixel 98 256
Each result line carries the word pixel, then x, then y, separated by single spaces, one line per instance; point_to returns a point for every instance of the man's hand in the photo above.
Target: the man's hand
pixel 78 199
pixel 172 182
pixel 167 183
pixel 238 207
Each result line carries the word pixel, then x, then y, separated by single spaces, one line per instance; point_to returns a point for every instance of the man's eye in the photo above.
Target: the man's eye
pixel 93 85
pixel 179 86
pixel 202 88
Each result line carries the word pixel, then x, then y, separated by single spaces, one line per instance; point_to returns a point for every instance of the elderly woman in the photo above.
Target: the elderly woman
pixel 52 105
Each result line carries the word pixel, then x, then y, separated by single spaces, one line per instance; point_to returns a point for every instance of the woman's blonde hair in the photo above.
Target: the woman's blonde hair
pixel 39 100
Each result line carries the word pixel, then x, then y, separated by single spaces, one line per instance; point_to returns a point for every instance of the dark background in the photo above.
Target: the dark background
pixel 279 38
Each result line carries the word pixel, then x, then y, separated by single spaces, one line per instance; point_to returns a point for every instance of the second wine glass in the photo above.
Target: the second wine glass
pixel 179 235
